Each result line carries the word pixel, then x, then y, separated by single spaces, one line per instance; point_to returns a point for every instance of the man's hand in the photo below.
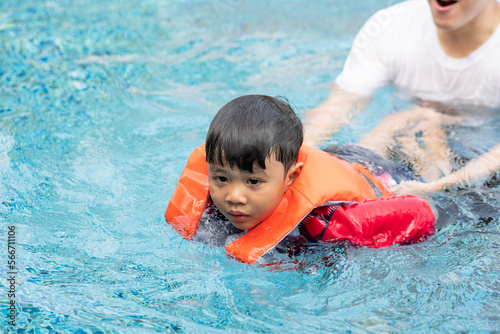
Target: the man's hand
pixel 477 170
pixel 418 188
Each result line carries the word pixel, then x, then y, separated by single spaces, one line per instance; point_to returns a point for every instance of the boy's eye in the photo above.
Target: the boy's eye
pixel 221 178
pixel 254 181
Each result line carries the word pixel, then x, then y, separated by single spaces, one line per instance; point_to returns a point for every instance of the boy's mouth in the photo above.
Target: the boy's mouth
pixel 237 216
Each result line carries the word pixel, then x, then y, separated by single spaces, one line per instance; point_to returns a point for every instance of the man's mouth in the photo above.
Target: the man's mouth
pixel 446 3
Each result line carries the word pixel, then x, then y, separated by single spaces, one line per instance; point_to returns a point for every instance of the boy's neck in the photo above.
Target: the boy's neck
pixel 461 42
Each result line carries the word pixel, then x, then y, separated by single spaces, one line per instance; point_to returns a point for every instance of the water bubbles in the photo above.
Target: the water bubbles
pixel 100 246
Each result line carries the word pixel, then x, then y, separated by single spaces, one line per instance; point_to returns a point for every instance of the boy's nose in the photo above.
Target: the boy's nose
pixel 236 195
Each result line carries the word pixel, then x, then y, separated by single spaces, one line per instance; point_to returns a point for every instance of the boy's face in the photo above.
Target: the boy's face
pixel 453 15
pixel 245 198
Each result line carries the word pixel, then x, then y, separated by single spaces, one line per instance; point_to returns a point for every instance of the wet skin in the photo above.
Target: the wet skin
pixel 245 198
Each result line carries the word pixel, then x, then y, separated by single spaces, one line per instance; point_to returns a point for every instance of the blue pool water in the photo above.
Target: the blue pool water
pixel 101 103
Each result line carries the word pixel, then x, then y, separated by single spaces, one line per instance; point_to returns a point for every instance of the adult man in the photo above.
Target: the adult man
pixel 446 51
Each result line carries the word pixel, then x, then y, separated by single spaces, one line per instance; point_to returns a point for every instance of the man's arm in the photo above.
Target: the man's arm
pixel 366 69
pixel 419 134
pixel 476 170
pixel 327 118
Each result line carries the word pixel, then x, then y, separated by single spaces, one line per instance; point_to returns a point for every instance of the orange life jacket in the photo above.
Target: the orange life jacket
pixel 323 178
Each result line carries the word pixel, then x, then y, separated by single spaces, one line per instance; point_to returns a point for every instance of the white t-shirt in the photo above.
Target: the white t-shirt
pixel 399 45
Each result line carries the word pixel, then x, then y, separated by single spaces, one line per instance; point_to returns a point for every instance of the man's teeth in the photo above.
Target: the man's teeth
pixel 444 3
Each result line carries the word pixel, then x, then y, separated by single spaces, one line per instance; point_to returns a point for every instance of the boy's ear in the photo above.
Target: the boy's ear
pixel 293 172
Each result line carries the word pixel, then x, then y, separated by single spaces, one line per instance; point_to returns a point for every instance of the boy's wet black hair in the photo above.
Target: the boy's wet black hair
pixel 250 128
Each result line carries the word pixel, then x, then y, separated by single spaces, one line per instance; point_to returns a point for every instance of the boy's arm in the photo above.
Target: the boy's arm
pixel 476 170
pixel 375 223
pixel 328 117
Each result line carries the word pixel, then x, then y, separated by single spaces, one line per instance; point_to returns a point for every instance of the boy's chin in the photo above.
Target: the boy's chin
pixel 243 226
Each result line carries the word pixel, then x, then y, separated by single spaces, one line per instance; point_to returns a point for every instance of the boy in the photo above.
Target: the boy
pixel 254 188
